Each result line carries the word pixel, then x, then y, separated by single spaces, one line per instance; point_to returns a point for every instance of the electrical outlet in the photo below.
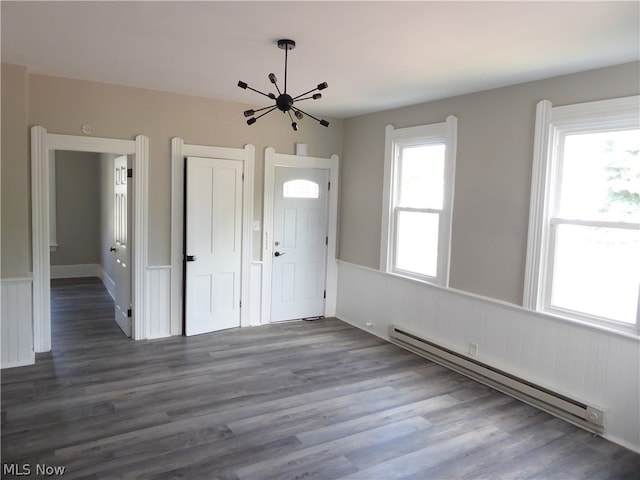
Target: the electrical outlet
pixel 473 349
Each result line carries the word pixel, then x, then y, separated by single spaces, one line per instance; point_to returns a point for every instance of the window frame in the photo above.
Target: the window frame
pixel 553 125
pixel 396 139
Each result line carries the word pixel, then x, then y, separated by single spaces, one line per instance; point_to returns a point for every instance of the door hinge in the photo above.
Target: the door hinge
pixel 329 186
pixel 326 240
pixel 325 294
pixel 240 303
pixel 129 172
pixel 243 177
pixel 129 313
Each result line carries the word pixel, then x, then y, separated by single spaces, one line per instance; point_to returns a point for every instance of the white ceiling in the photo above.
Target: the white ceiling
pixel 374 55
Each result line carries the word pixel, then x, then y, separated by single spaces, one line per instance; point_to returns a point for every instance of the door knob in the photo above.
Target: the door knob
pixel 277 254
pixel 113 249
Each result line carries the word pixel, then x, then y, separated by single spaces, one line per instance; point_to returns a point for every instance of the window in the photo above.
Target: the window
pixel 418 197
pixel 583 259
pixel 300 189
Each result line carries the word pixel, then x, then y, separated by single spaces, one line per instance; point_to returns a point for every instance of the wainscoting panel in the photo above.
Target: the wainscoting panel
pixel 255 294
pixel 593 365
pixel 158 302
pixel 16 322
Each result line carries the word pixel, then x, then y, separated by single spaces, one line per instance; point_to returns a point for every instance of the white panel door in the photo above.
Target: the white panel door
pixel 300 213
pixel 121 248
pixel 213 244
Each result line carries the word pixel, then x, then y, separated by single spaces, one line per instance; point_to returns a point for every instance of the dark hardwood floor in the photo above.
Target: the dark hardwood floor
pixel 298 400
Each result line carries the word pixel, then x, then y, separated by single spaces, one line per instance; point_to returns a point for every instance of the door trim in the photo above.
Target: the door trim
pixel 41 143
pixel 180 150
pixel 273 160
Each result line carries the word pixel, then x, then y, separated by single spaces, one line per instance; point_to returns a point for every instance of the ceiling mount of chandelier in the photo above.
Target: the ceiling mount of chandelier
pixel 283 101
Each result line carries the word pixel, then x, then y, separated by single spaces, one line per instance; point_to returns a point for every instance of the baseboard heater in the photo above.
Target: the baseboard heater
pixel 578 413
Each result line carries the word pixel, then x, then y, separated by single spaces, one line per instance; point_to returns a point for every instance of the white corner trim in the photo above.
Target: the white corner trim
pixel 140 236
pixel 177 222
pixel 539 179
pixel 388 180
pixel 40 240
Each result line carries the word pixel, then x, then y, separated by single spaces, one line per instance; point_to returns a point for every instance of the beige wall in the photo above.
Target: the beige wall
pixel 63 105
pixel 492 181
pixel 78 197
pixel 16 249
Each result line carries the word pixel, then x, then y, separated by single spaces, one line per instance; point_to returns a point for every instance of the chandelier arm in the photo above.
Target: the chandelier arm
pixel 305 93
pixel 296 109
pixel 305 98
pixel 294 125
pixel 269 111
pixel 274 80
pixel 263 108
pixel 261 93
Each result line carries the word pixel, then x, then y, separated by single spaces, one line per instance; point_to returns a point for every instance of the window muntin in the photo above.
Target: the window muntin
pixel 419 166
pixel 583 259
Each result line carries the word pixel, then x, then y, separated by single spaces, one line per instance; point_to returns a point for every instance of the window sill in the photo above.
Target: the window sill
pixel 623 332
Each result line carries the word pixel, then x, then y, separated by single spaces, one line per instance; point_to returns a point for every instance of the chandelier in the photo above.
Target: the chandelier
pixel 284 102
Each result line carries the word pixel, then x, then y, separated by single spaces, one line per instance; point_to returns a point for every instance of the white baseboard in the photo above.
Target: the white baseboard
pixel 108 282
pixel 76 271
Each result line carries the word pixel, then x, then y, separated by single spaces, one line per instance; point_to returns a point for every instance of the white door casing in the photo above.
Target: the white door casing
pixel 121 249
pixel 179 151
pixel 213 244
pixel 273 160
pixel 41 143
pixel 300 214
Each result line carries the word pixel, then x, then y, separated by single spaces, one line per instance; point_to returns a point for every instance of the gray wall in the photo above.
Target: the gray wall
pixel 492 181
pixel 78 197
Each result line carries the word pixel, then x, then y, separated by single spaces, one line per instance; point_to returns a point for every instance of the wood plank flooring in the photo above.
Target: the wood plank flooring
pixel 298 400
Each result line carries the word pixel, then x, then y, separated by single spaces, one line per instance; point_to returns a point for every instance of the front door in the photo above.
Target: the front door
pixel 213 244
pixel 301 201
pixel 121 247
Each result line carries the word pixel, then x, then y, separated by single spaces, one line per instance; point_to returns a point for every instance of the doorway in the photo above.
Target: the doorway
pixel 43 142
pixel 300 220
pixel 90 224
pixel 300 241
